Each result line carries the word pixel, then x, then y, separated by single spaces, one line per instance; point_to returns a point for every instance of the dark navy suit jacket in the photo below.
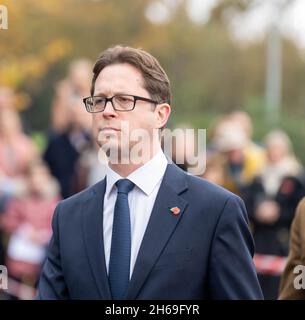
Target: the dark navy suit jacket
pixel 204 252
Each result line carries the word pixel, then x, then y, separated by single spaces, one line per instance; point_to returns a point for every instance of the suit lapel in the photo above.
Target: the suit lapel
pixel 161 225
pixel 94 240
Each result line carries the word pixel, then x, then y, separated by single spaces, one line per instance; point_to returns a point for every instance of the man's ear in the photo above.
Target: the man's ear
pixel 162 113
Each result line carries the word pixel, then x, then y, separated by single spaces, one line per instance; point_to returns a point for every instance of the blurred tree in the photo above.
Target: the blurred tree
pixel 210 71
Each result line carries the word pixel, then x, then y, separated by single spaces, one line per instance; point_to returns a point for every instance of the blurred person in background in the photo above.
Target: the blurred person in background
pixel 6 95
pixel 69 150
pixel 16 152
pixel 80 73
pixel 65 149
pixel 243 119
pixel 60 109
pixel 215 169
pixel 242 159
pixel 271 200
pixel 76 85
pixel 16 149
pixel 26 222
pixel 7 98
pixel 182 147
pixel 252 149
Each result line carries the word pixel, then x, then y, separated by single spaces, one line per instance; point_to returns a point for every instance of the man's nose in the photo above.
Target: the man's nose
pixel 109 110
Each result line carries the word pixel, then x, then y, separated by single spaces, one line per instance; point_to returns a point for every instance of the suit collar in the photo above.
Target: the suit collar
pixel 175 178
pixel 93 236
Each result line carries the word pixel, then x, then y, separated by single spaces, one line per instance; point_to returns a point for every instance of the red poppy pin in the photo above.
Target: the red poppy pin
pixel 175 210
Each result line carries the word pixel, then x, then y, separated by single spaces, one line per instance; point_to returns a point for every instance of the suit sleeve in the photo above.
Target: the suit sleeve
pixel 287 290
pixel 52 283
pixel 232 271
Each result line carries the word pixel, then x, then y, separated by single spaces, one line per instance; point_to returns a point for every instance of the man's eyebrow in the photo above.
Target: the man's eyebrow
pixel 101 94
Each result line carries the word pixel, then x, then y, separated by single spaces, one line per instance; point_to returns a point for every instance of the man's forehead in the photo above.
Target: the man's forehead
pixel 121 70
pixel 119 77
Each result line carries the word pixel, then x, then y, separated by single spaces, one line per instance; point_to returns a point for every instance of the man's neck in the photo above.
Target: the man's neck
pixel 125 169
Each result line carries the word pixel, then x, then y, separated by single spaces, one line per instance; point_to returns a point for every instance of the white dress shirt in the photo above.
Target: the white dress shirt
pixel 141 199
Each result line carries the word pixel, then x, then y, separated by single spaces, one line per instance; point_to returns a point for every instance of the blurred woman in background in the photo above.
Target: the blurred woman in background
pixel 271 200
pixel 27 224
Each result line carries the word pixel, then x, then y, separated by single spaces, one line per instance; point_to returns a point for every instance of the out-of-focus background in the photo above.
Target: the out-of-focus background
pixel 237 68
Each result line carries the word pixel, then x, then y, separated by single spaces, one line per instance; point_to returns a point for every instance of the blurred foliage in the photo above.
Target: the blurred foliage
pixel 210 72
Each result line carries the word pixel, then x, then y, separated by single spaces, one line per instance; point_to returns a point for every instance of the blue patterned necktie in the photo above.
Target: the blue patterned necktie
pixel 119 263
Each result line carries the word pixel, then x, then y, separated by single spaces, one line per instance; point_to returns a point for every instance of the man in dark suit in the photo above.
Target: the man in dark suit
pixel 148 230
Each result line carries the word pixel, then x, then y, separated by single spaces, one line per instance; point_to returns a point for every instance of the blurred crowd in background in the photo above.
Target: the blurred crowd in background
pixel 237 69
pixel 33 180
pixel 266 174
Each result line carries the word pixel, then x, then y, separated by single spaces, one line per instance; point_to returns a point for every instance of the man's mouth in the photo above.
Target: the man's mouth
pixel 109 129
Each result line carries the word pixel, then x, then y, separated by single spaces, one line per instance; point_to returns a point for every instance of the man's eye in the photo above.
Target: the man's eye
pixel 123 99
pixel 99 101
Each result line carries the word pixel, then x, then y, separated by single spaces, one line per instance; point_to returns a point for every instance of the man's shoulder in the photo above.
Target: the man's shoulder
pixel 197 189
pixel 207 189
pixel 212 202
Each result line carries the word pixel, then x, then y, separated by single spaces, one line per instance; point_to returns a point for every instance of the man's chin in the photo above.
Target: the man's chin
pixel 115 155
pixel 111 149
pixel 107 142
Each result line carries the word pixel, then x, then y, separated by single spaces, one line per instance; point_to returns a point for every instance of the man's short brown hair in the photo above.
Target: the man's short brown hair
pixel 155 80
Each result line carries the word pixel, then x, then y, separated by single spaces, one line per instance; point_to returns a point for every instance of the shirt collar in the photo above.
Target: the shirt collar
pixel 145 178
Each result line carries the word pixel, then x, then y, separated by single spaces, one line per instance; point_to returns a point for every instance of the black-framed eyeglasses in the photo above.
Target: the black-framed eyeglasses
pixel 120 102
